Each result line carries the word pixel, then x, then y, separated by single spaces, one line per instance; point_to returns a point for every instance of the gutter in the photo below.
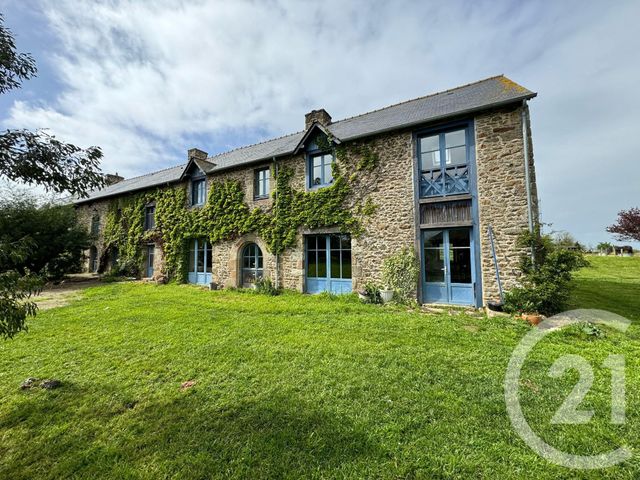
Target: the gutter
pixel 275 208
pixel 527 173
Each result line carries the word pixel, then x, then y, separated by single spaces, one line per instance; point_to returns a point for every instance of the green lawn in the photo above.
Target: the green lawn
pixel 610 283
pixel 294 386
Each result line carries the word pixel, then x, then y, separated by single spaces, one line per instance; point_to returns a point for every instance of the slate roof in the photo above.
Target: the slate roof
pixel 487 93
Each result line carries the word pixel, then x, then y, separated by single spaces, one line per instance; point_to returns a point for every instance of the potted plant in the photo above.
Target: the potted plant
pixel 532 318
pixel 386 294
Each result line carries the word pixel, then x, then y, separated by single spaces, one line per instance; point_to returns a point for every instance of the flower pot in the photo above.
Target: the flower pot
pixel 532 318
pixel 363 296
pixel 386 295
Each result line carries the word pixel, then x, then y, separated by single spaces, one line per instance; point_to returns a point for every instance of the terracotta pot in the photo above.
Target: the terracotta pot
pixel 532 318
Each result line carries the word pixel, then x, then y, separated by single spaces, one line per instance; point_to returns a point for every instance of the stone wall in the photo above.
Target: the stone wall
pixel 502 194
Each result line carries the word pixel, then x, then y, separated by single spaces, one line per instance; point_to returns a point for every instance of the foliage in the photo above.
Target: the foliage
pixel 55 237
pixel 226 216
pixel 605 247
pixel 14 67
pixel 372 292
pixel 546 269
pixel 566 240
pixel 591 330
pixel 400 273
pixel 266 287
pixel 627 226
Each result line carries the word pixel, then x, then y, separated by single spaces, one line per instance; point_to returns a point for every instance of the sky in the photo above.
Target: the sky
pixel 146 81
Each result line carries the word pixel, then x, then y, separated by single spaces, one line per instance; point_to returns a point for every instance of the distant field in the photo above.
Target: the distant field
pixel 610 283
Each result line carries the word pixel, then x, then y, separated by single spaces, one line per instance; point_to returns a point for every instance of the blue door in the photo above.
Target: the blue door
pixel 200 262
pixel 151 251
pixel 328 263
pixel 448 272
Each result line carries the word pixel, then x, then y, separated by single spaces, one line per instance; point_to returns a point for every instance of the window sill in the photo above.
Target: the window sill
pixel 261 197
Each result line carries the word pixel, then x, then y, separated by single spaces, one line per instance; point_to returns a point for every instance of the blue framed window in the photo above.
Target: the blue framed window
pixel 95 224
pixel 252 264
pixel 261 183
pixel 198 191
pixel 444 162
pixel 150 217
pixel 328 263
pixel 320 173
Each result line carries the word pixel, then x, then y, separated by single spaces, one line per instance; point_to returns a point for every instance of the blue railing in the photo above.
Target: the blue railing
pixel 453 181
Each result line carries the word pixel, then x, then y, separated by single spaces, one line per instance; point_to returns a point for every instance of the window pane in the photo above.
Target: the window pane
pixel 459 238
pixel 209 259
pixel 434 239
pixel 335 242
pixel 328 175
pixel 457 155
pixel 430 144
pixel 430 160
pixel 322 263
pixel 454 139
pixel 192 259
pixel 434 264
pixel 460 262
pixel 317 174
pixel 346 264
pixel 345 242
pixel 312 267
pixel 200 257
pixel 335 263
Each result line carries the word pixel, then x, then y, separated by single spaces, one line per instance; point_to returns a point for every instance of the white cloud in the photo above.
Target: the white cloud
pixel 142 79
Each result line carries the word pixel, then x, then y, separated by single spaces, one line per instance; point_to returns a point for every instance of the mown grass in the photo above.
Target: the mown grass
pixel 289 387
pixel 610 283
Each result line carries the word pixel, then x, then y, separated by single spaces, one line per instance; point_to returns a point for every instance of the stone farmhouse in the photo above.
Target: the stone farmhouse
pixel 321 209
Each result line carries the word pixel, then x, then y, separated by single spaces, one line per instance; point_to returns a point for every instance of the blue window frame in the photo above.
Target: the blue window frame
pixel 328 263
pixel 198 191
pixel 261 183
pixel 443 159
pixel 320 170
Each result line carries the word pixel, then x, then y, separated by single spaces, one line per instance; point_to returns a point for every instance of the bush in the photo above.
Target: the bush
pixel 400 273
pixel 266 287
pixel 372 291
pixel 546 277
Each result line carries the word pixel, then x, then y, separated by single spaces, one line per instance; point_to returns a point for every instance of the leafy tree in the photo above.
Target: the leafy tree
pixel 605 247
pixel 34 158
pixel 52 230
pixel 628 225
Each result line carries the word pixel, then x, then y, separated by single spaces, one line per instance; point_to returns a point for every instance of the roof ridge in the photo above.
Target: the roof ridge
pixel 418 98
pixel 150 173
pixel 254 144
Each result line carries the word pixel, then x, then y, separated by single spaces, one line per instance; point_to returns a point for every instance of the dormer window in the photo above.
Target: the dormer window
pixel 444 163
pixel 198 191
pixel 320 173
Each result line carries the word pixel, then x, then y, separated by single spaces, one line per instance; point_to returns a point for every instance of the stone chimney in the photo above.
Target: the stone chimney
pixel 320 116
pixel 111 178
pixel 196 154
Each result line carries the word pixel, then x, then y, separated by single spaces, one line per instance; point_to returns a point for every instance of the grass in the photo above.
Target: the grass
pixel 296 386
pixel 610 283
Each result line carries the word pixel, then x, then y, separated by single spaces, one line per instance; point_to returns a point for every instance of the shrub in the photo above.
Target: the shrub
pixel 372 291
pixel 400 273
pixel 266 287
pixel 546 281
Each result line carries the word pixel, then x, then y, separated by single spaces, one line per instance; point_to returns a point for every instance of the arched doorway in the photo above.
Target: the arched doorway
pixel 252 265
pixel 93 259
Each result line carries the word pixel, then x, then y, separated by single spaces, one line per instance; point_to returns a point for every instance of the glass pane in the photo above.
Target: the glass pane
pixel 312 242
pixel 430 160
pixel 200 257
pixel 312 267
pixel 335 242
pixel 260 259
pixel 328 176
pixel 322 263
pixel 434 264
pixel 209 259
pixel 335 264
pixel 192 260
pixel 460 259
pixel 429 144
pixel 259 273
pixel 434 239
pixel 459 238
pixel 346 264
pixel 454 139
pixel 345 242
pixel 248 277
pixel 457 155
pixel 317 175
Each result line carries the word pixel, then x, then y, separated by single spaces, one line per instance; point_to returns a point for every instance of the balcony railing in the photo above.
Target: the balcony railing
pixel 452 180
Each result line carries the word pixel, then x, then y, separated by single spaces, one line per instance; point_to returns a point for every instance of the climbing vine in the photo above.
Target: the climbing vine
pixel 226 215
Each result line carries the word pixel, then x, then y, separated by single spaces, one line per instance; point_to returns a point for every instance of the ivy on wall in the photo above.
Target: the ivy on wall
pixel 226 215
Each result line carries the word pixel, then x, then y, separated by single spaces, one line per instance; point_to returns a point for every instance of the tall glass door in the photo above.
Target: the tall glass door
pixel 447 266
pixel 328 263
pixel 200 260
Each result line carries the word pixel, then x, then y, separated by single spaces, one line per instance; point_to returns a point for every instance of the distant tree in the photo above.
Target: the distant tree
pixel 605 247
pixel 35 158
pixel 627 226
pixel 566 240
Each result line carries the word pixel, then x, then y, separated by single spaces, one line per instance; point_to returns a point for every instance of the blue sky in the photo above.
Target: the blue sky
pixel 148 80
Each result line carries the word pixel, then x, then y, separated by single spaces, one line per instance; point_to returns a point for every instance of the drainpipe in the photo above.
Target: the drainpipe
pixel 527 174
pixel 275 208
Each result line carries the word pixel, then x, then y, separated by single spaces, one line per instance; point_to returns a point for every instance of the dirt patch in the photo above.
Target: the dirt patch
pixel 54 296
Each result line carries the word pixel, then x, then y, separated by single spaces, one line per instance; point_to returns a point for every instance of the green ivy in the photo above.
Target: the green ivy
pixel 226 216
